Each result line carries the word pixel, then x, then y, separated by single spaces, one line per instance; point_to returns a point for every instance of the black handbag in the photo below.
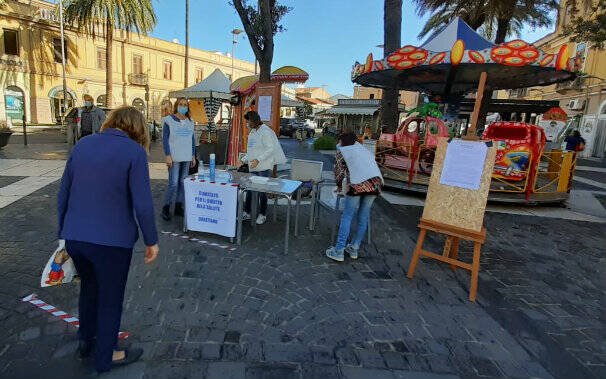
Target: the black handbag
pixel 194 170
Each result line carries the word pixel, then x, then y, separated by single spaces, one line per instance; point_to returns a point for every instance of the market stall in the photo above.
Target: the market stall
pixel 265 98
pixel 472 64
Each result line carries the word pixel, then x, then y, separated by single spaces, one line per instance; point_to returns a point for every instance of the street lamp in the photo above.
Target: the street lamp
pixel 234 33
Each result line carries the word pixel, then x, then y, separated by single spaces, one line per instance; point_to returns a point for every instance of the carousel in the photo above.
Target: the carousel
pixel 266 98
pixel 526 171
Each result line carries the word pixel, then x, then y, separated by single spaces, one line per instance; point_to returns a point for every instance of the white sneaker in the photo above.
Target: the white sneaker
pixel 245 216
pixel 261 219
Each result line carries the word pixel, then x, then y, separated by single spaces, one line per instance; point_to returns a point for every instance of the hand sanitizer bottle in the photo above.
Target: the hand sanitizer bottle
pixel 211 167
pixel 200 169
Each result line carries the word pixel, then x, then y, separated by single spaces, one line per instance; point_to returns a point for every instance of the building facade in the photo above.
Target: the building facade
pixel 584 99
pixel 409 98
pixel 145 69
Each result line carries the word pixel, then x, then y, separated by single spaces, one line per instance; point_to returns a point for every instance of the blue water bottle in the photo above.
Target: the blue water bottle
pixel 211 167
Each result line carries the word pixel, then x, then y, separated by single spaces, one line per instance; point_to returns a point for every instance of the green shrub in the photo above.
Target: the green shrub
pixel 325 143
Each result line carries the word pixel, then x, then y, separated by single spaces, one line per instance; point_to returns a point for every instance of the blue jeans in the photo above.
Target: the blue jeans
pixel 354 204
pixel 176 173
pixel 262 195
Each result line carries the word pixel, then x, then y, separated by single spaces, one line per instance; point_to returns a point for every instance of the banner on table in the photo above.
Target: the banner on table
pixel 211 207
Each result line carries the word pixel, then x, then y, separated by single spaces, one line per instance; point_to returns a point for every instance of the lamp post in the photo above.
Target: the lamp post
pixel 234 33
pixel 62 109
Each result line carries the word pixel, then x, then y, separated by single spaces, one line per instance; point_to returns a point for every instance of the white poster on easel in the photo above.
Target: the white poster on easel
pixel 464 164
pixel 265 108
pixel 211 207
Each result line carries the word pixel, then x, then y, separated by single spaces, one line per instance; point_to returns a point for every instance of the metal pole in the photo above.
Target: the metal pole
pixel 186 79
pixel 24 128
pixel 233 52
pixel 62 109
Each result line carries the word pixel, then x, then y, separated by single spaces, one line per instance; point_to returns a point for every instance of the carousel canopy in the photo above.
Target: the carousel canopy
pixel 457 29
pixel 456 71
pixel 216 85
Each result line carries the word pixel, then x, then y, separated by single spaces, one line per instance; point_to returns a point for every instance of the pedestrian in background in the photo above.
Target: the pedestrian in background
pixel 263 152
pixel 575 142
pixel 91 119
pixel 105 186
pixel 358 177
pixel 180 150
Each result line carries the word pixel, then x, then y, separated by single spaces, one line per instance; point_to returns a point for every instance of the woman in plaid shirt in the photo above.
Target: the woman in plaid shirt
pixel 359 178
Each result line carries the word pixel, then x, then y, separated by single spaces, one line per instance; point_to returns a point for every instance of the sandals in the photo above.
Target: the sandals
pixel 130 356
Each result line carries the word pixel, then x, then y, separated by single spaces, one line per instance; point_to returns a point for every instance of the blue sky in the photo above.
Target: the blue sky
pixel 323 37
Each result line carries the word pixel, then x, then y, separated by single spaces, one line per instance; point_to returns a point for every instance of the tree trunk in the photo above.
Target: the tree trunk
pixel 502 30
pixel 186 82
pixel 267 57
pixel 392 30
pixel 109 41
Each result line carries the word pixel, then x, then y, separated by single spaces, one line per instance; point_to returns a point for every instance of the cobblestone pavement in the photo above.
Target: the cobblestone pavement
pixel 201 311
pixel 255 313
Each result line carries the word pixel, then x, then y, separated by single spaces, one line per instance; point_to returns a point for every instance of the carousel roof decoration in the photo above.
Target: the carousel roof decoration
pixel 555 114
pixel 456 71
pixel 285 74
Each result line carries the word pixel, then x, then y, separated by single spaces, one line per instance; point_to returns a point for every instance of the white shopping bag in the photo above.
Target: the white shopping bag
pixel 59 269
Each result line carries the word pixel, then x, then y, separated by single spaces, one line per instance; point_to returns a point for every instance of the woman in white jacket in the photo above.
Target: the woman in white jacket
pixel 263 152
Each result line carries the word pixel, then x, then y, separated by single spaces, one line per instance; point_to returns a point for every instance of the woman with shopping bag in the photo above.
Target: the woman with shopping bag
pixel 104 198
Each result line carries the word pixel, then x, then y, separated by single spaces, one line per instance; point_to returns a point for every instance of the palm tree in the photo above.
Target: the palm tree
pixel 392 31
pixel 498 18
pixel 94 15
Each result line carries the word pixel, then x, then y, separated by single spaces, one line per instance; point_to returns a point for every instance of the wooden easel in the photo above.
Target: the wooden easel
pixel 451 250
pixel 473 202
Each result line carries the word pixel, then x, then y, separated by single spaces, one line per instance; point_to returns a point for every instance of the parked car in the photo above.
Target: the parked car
pixel 72 119
pixel 286 127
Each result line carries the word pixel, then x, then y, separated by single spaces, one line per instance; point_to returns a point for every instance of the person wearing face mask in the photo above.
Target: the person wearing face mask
pixel 263 152
pixel 180 150
pixel 92 118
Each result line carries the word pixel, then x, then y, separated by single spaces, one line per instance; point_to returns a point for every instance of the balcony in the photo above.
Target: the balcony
pixel 138 79
pixel 573 85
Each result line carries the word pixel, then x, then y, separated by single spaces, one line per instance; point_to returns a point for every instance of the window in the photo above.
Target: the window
pixel 11 42
pixel 101 63
pixel 199 75
pixel 168 70
pixel 101 100
pixel 137 64
pixel 57 49
pixel 372 96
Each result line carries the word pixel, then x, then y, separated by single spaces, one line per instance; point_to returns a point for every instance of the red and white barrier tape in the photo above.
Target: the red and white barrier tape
pixel 32 299
pixel 202 242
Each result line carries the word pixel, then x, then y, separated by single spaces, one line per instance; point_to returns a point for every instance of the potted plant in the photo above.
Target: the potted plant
pixel 5 134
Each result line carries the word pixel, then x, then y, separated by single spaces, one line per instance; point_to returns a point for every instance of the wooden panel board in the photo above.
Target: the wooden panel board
pixel 460 207
pixel 273 90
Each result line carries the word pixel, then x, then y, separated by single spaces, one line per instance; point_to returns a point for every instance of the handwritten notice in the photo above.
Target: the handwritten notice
pixel 211 207
pixel 265 108
pixel 464 164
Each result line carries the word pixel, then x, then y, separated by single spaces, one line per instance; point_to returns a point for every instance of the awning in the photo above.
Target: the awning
pixel 286 102
pixel 366 111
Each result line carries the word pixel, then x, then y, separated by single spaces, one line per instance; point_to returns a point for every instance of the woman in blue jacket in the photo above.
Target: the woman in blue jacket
pixel 180 150
pixel 105 186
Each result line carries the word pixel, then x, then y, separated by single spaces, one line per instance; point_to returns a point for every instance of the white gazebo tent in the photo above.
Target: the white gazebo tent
pixel 213 91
